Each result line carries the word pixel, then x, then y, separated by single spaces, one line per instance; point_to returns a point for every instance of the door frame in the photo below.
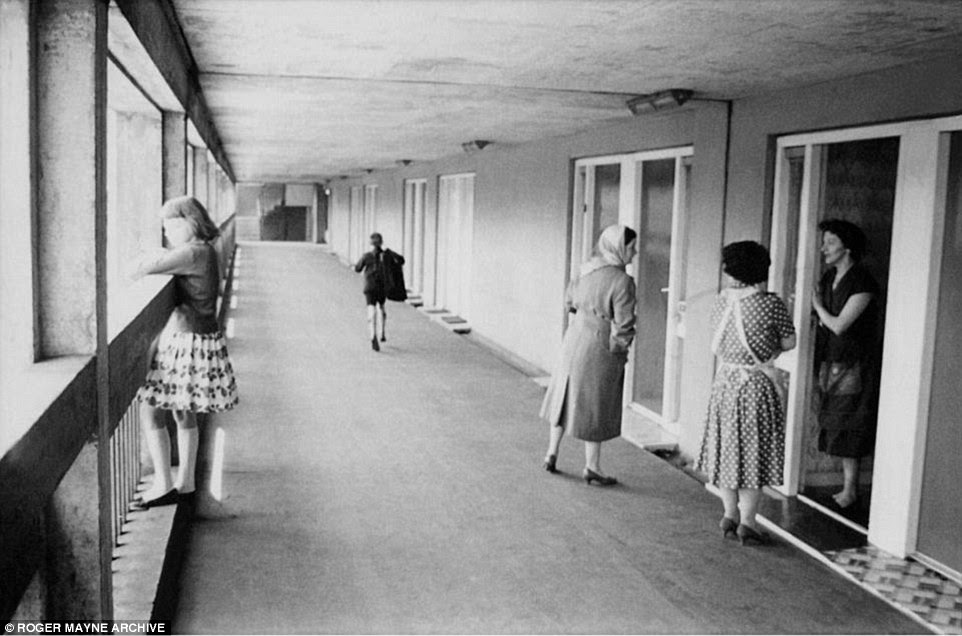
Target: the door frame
pixel 629 214
pixel 911 310
pixel 413 205
pixel 455 294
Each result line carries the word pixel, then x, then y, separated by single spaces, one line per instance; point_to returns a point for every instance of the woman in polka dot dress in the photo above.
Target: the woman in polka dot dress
pixel 743 444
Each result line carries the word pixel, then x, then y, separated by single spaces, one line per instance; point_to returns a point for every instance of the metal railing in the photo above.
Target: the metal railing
pixel 125 467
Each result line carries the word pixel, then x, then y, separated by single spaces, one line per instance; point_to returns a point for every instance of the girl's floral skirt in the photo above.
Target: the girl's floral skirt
pixel 190 372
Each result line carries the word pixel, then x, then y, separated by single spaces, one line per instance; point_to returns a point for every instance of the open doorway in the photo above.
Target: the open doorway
pixel 852 180
pixel 859 181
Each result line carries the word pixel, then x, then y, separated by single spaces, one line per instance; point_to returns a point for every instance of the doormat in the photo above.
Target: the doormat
pixel 934 598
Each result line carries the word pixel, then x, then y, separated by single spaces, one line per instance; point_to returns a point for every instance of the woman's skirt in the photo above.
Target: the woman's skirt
pixel 190 372
pixel 744 441
pixel 849 408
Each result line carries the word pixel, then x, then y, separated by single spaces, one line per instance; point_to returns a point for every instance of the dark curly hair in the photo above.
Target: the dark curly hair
pixel 746 261
pixel 851 236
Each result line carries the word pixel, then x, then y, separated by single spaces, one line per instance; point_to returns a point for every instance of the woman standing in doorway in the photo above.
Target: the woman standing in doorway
pixel 584 396
pixel 743 444
pixel 190 372
pixel 847 352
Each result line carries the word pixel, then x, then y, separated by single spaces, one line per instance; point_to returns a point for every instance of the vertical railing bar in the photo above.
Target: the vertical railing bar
pixel 135 451
pixel 113 490
pixel 130 447
pixel 125 466
pixel 122 511
pixel 129 489
pixel 139 431
pixel 113 486
pixel 119 514
pixel 121 503
pixel 132 485
pixel 119 487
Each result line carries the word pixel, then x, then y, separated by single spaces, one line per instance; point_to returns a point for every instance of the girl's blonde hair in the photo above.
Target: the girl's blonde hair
pixel 192 211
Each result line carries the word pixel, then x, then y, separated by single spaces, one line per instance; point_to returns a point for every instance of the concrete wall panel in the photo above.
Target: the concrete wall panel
pixel 906 92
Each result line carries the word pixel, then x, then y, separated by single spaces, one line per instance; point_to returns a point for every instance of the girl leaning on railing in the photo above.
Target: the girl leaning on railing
pixel 190 371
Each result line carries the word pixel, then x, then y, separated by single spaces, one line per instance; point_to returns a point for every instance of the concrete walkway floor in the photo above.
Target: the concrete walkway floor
pixel 403 492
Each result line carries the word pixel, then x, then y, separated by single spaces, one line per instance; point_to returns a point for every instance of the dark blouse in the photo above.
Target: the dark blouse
pixel 860 340
pixel 196 285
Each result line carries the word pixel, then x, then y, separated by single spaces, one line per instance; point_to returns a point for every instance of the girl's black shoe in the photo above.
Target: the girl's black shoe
pixel 169 498
pixel 375 345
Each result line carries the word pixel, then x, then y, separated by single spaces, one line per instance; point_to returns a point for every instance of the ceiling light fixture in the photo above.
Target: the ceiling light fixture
pixel 404 162
pixel 662 100
pixel 475 145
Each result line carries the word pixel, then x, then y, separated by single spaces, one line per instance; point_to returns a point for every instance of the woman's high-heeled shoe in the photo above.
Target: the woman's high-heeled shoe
pixel 747 535
pixel 590 476
pixel 550 463
pixel 729 527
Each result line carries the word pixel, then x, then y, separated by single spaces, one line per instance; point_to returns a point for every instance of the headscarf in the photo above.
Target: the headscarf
pixel 611 251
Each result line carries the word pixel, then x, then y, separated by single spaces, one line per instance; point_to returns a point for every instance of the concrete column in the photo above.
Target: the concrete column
pixel 73 545
pixel 174 154
pixel 71 98
pixel 200 175
pixel 705 235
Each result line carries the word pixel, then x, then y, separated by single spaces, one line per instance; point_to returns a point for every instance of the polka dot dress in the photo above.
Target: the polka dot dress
pixel 744 440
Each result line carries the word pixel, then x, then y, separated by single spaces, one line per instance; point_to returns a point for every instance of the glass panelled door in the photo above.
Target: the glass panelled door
pixel 455 234
pixel 648 192
pixel 659 203
pixel 414 234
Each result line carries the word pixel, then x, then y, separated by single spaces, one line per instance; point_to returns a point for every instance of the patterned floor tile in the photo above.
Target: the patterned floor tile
pixel 934 598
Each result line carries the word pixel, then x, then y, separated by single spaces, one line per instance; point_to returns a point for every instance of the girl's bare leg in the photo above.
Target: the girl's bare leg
pixel 158 445
pixel 187 443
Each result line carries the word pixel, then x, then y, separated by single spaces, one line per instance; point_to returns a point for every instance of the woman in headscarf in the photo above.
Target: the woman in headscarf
pixel 584 396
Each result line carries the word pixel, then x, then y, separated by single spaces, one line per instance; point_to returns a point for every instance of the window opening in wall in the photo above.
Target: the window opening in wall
pixel 134 190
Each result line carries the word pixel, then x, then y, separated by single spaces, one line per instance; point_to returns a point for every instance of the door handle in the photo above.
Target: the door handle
pixel 664 290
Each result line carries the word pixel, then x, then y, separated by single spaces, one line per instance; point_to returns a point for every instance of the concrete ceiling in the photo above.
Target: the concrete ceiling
pixel 302 90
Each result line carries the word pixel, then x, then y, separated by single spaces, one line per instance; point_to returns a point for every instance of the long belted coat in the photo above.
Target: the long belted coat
pixel 585 392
